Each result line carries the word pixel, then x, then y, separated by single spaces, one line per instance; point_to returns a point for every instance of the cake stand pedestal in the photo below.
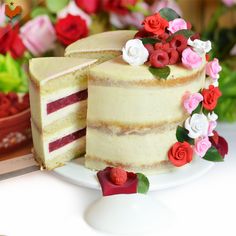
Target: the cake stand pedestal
pixel 128 214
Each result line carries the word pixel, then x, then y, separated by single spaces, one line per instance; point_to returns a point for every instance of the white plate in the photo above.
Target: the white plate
pixel 75 172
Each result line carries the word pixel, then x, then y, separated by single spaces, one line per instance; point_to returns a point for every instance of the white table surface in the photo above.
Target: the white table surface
pixel 39 203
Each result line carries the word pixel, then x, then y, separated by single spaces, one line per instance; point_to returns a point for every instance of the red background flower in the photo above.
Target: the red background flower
pixel 89 6
pixel 70 29
pixel 11 42
pixel 118 6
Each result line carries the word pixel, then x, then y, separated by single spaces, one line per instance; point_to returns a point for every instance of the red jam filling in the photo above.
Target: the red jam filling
pixel 66 140
pixel 109 188
pixel 66 101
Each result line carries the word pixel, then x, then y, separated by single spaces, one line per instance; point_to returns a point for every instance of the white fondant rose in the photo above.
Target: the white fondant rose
pixel 200 46
pixel 135 53
pixel 197 125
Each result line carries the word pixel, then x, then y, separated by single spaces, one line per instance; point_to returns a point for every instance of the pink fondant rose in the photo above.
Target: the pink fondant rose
pixel 191 59
pixel 176 25
pixel 38 35
pixel 213 68
pixel 212 117
pixel 191 101
pixel 202 144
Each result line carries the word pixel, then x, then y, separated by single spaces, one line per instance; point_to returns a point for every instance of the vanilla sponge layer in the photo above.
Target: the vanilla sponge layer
pixel 42 140
pixel 41 97
pixel 101 56
pixel 146 152
pixel 114 105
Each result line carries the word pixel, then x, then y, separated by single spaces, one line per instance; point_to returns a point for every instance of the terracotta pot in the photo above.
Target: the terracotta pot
pixel 15 131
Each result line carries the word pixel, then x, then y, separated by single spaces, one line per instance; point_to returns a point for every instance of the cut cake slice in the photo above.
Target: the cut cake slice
pixel 103 46
pixel 58 95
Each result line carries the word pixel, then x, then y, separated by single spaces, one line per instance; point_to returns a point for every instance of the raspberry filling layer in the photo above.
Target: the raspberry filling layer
pixel 66 140
pixel 66 101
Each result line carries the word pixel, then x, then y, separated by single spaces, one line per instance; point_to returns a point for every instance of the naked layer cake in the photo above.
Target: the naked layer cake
pixel 150 106
pixel 132 116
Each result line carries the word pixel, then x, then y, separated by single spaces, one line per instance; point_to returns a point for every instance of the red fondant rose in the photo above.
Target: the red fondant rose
pixel 70 29
pixel 89 6
pixel 155 24
pixel 219 143
pixel 180 154
pixel 210 97
pixel 11 42
pixel 118 6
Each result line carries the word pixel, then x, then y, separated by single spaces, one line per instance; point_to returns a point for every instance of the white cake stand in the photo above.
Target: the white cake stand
pixel 130 213
pixel 75 172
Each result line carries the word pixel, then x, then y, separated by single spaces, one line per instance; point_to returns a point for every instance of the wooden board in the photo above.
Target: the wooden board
pixel 17 163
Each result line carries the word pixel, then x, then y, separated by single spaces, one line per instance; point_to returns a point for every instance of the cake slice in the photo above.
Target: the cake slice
pixel 58 95
pixel 103 46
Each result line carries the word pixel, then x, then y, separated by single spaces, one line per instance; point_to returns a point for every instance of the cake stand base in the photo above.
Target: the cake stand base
pixel 128 214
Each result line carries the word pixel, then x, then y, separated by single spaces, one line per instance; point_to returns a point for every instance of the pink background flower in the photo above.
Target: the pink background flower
pixel 229 3
pixel 176 25
pixel 38 35
pixel 74 10
pixel 191 59
pixel 213 68
pixel 202 144
pixel 2 14
pixel 158 4
pixel 131 19
pixel 191 101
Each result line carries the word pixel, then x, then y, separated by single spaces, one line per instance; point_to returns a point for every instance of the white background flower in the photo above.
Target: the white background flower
pixel 135 53
pixel 200 46
pixel 74 10
pixel 197 125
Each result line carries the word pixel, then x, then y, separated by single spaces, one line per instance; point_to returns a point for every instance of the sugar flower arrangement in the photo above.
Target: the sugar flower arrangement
pixel 167 39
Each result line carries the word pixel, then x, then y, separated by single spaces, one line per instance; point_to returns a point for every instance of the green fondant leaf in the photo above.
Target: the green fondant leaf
pixel 213 155
pixel 149 40
pixel 198 109
pixel 143 183
pixel 168 13
pixel 182 135
pixel 185 32
pixel 56 5
pixel 160 73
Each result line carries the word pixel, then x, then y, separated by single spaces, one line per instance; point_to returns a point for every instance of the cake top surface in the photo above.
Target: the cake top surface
pixel 47 68
pixel 112 40
pixel 138 73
